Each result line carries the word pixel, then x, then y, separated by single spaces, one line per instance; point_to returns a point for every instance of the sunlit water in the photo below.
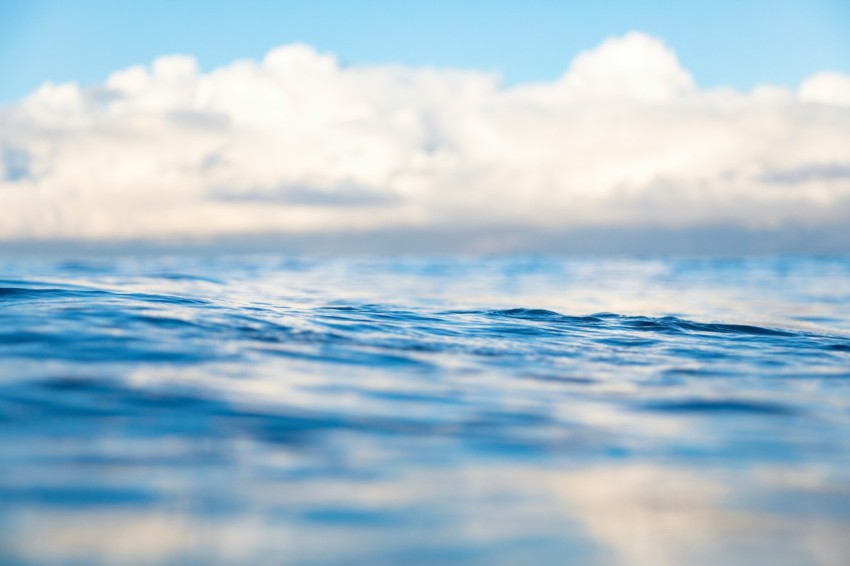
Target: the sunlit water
pixel 369 411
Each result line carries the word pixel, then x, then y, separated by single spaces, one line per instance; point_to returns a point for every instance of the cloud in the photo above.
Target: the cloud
pixel 299 144
pixel 810 172
pixel 827 88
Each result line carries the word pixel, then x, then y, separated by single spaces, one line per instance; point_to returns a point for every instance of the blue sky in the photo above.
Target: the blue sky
pixel 739 43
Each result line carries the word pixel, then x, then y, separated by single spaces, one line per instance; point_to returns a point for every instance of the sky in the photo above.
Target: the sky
pixel 490 126
pixel 739 43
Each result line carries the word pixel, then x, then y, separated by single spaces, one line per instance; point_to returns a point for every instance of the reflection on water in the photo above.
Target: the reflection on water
pixel 498 411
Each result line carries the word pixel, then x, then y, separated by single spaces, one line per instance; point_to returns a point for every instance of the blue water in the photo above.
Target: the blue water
pixel 265 409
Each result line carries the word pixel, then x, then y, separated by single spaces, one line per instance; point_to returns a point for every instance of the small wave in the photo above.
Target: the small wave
pixel 720 406
pixel 544 315
pixel 42 293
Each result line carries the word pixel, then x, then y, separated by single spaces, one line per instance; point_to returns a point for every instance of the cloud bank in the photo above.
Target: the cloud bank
pixel 298 144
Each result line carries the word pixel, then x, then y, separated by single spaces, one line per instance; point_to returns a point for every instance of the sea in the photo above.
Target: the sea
pixel 274 409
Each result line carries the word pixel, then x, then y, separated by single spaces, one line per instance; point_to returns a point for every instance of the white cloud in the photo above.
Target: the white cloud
pixel 297 143
pixel 827 88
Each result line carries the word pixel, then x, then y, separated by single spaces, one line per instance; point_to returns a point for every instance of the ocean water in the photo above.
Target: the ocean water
pixel 278 410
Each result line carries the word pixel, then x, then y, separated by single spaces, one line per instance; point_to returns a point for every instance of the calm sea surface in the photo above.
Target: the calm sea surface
pixel 274 410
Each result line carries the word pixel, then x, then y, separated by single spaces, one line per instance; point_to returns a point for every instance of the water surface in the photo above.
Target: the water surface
pixel 268 409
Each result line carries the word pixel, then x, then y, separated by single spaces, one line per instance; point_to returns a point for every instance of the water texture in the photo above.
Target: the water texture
pixel 266 409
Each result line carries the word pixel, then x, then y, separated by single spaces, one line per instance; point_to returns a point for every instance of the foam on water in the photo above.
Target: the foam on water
pixel 245 409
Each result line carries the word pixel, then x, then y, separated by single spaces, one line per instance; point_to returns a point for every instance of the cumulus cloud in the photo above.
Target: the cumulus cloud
pixel 299 144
